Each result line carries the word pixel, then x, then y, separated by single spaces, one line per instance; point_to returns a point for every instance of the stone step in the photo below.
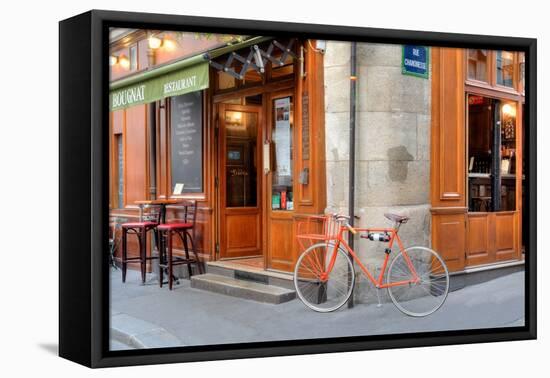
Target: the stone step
pixel 242 288
pixel 238 271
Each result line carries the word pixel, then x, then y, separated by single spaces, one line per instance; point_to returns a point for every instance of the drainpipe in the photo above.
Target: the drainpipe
pixel 352 108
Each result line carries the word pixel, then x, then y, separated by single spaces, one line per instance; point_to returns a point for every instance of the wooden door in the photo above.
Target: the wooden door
pixel 240 180
pixel 281 133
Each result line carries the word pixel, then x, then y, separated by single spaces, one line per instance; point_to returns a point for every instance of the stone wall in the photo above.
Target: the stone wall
pixel 392 142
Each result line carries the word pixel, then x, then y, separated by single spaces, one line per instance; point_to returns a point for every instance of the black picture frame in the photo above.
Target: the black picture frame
pixel 83 196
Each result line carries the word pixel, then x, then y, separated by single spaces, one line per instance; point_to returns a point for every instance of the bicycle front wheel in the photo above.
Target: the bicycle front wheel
pixel 428 293
pixel 319 289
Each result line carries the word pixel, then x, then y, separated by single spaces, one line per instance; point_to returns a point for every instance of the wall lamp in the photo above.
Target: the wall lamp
pixel 165 42
pixel 154 42
pixel 121 60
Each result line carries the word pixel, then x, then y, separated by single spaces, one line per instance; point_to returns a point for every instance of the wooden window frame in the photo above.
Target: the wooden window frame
pixel 491 88
pixel 488 72
pixel 515 73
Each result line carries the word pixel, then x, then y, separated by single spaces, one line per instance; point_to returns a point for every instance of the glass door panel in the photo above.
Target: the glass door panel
pixel 282 193
pixel 241 160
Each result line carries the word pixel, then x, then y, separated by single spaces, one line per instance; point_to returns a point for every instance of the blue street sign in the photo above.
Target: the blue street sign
pixel 416 61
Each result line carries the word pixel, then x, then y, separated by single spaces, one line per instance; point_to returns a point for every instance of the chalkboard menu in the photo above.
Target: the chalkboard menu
pixel 186 144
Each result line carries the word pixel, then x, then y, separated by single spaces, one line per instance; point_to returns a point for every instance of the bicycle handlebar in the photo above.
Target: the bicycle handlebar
pixel 340 216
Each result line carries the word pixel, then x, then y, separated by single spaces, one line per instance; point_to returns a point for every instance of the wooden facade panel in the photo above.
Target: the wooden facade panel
pixel 281 247
pixel 448 239
pixel 447 176
pixel 478 228
pixel 117 121
pixel 163 185
pixel 499 234
pixel 505 236
pixel 448 127
pixel 310 105
pixel 480 239
pixel 135 154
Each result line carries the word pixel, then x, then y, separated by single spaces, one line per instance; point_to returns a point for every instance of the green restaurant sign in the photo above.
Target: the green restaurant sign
pixel 188 79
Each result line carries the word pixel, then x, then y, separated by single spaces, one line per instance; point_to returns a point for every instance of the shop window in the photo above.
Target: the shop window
pixel 505 68
pixel 241 163
pixel 282 193
pixel 491 154
pixel 119 171
pixel 133 58
pixel 477 64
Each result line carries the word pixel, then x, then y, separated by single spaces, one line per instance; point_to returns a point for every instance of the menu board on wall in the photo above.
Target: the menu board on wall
pixel 186 142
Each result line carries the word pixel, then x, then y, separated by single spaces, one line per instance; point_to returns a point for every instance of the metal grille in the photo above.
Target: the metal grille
pixel 256 59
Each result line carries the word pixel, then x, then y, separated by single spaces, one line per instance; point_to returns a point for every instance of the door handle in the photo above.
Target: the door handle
pixel 267 157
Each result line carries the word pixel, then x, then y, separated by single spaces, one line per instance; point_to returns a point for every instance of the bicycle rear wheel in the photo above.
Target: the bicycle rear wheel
pixel 426 296
pixel 318 289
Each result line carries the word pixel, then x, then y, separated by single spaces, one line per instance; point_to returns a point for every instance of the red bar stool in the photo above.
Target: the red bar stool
pixel 185 229
pixel 149 220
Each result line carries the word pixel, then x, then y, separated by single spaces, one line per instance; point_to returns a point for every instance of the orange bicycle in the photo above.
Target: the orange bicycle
pixel 417 278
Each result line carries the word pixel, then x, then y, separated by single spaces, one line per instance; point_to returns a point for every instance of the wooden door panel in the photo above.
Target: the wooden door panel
pixel 479 247
pixel 449 239
pixel 505 236
pixel 242 232
pixel 281 243
pixel 492 237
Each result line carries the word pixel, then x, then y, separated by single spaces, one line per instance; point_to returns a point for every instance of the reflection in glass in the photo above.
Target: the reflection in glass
pixel 133 58
pixel 505 68
pixel 477 64
pixel 480 139
pixel 522 71
pixel 508 157
pixel 241 163
pixel 282 196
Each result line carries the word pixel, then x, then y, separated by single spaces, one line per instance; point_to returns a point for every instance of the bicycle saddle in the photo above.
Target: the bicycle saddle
pixel 397 218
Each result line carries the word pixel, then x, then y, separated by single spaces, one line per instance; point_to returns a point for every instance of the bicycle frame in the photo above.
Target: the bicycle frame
pixel 378 282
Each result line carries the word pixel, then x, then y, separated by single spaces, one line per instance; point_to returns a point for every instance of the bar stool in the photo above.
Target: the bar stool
pixel 149 220
pixel 185 229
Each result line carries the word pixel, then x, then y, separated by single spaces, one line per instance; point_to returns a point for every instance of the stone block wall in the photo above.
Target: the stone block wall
pixel 392 142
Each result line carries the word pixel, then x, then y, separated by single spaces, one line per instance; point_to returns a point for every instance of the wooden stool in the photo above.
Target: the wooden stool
pixel 184 228
pixel 147 223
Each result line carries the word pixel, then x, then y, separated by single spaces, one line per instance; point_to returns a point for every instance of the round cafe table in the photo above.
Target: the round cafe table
pixel 162 202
